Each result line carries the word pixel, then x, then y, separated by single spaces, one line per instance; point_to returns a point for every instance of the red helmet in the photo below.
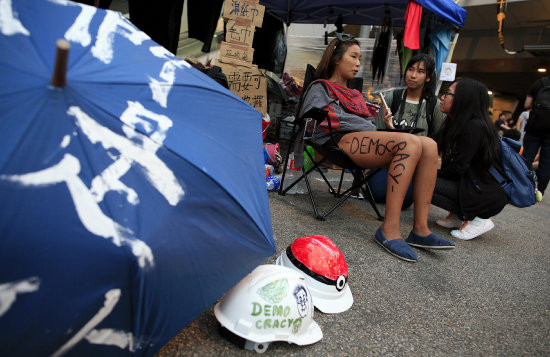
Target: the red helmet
pixel 325 270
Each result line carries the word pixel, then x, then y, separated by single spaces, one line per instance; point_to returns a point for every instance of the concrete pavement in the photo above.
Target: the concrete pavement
pixel 489 296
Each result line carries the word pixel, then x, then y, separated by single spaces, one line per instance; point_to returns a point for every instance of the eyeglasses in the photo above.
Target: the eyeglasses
pixel 343 37
pixel 448 93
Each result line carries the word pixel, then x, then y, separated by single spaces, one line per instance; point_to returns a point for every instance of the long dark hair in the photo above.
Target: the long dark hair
pixel 333 53
pixel 471 102
pixel 429 64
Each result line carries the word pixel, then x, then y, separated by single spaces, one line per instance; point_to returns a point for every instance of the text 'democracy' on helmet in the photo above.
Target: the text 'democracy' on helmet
pixel 325 270
pixel 272 303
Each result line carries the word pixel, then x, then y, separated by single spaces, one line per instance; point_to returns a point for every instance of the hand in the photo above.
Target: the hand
pixel 388 118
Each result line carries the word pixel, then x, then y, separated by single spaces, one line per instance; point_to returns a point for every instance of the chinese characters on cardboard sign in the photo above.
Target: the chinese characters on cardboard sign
pixel 244 11
pixel 237 32
pixel 236 53
pixel 248 83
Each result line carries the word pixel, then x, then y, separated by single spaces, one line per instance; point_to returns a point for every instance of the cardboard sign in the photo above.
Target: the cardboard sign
pixel 244 11
pixel 248 83
pixel 236 54
pixel 240 33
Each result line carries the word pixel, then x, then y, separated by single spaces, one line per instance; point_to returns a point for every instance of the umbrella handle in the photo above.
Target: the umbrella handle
pixel 61 58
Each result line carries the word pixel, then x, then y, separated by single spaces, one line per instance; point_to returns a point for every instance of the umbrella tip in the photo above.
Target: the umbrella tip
pixel 61 59
pixel 63 44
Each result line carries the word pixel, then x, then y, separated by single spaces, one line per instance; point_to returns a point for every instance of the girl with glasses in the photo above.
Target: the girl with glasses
pixel 469 146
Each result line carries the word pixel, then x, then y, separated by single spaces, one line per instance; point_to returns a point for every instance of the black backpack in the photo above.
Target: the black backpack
pixel 539 118
pixel 430 106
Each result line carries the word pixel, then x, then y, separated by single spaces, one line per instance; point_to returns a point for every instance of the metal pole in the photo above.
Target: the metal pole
pixel 447 60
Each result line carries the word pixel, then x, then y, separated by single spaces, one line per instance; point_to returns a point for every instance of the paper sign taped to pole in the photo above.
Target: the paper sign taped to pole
pixel 448 72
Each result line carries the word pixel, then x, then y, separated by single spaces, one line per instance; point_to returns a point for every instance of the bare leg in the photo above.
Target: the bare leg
pixel 424 182
pixel 398 152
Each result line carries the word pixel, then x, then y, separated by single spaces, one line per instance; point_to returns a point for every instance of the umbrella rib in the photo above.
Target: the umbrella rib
pixel 22 137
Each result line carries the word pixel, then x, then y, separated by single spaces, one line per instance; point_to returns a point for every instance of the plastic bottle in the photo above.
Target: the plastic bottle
pixel 301 187
pixel 273 183
pixel 292 174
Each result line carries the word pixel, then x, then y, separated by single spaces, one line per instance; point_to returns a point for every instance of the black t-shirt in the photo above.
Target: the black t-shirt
pixel 535 88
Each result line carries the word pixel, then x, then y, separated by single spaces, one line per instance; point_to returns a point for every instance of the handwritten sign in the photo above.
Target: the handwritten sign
pixel 236 54
pixel 244 11
pixel 248 83
pixel 238 32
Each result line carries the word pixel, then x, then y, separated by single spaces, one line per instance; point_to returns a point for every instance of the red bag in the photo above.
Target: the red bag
pixel 272 151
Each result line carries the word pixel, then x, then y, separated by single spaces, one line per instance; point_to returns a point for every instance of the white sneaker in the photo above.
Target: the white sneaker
pixel 451 221
pixel 474 228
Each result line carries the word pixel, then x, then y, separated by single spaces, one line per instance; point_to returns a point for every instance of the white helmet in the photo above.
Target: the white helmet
pixel 325 269
pixel 272 303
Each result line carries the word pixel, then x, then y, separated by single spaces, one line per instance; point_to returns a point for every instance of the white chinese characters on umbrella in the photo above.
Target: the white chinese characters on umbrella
pixel 133 149
pixel 144 154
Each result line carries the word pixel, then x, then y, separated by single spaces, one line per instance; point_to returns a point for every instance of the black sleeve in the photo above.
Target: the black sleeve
pixel 465 152
pixel 535 88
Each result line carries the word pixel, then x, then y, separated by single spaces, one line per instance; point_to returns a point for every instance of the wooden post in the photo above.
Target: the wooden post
pixel 59 78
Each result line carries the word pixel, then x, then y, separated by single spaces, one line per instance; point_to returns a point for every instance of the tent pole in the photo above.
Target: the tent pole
pixel 288 13
pixel 447 60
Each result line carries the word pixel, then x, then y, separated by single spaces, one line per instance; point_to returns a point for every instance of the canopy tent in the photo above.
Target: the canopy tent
pixel 357 12
pixel 449 17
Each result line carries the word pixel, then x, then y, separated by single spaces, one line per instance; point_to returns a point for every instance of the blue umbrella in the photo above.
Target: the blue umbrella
pixel 131 198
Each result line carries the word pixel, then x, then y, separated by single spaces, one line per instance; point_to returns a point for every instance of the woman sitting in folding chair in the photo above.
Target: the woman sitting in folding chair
pixel 407 157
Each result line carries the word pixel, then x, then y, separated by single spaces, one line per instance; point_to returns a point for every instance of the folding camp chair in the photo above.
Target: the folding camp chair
pixel 303 125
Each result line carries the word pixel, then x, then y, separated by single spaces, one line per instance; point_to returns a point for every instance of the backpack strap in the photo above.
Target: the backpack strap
pixel 430 107
pixel 498 176
pixel 396 99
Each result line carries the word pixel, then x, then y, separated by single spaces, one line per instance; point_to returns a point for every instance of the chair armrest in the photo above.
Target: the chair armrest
pixel 316 113
pixel 309 120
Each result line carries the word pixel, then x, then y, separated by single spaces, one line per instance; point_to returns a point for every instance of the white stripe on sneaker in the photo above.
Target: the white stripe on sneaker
pixel 474 229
